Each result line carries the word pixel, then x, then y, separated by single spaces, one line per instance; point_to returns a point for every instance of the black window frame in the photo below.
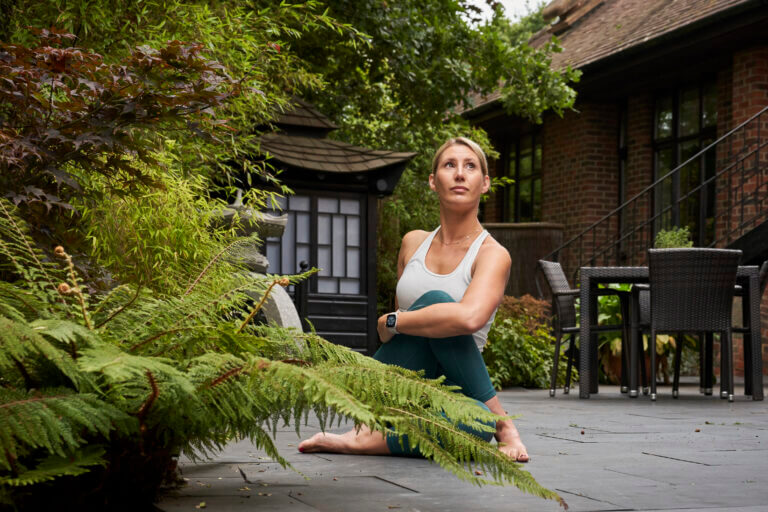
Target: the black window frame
pixel 512 192
pixel 703 234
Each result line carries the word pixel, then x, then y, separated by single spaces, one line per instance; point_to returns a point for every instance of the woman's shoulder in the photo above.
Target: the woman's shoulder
pixel 411 241
pixel 491 249
pixel 417 236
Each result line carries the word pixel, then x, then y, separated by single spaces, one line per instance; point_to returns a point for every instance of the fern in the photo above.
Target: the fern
pixel 87 383
pixel 55 466
pixel 51 419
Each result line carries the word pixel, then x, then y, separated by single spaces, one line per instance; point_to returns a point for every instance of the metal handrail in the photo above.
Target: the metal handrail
pixel 614 241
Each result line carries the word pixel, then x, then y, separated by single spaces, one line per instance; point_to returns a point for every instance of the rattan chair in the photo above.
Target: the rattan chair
pixel 641 299
pixel 564 322
pixel 692 291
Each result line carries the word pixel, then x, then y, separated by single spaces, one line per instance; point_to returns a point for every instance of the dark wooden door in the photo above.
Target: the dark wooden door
pixel 328 230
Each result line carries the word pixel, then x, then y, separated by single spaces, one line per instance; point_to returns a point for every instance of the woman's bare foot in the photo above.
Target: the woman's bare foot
pixel 506 433
pixel 362 442
pixel 515 449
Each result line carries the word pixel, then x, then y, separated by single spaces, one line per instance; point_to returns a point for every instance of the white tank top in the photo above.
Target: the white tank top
pixel 417 279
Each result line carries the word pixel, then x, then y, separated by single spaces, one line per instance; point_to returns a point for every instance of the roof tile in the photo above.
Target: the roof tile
pixel 327 155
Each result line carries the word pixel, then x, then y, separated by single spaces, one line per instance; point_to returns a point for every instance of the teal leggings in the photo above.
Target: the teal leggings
pixel 457 357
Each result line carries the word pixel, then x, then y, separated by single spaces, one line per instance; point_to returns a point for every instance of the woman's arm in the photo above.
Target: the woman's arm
pixel 481 299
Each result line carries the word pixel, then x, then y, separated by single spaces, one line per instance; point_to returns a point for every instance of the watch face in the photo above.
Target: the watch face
pixel 391 320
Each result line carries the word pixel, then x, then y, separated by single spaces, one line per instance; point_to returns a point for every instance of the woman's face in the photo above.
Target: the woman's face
pixel 459 179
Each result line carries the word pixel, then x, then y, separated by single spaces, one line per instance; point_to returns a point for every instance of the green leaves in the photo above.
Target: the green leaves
pixel 55 419
pixel 519 351
pixel 673 238
pixel 64 387
pixel 129 126
pixel 55 466
pixel 531 86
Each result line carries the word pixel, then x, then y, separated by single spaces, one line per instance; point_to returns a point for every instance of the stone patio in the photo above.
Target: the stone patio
pixel 605 453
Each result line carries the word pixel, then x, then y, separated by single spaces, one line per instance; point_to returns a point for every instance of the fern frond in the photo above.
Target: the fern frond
pixel 392 386
pixel 52 419
pixel 118 310
pixel 55 466
pixel 26 260
pixel 66 332
pixel 21 301
pixel 126 373
pixel 23 349
pixel 457 450
pixel 311 384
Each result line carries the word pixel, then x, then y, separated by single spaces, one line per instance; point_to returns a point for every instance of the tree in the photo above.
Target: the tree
pixel 422 61
pixel 64 111
pixel 248 39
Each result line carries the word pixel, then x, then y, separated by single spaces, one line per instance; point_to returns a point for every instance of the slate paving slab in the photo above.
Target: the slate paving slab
pixel 608 453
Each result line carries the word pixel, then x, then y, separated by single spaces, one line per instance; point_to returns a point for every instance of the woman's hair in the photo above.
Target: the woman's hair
pixel 477 150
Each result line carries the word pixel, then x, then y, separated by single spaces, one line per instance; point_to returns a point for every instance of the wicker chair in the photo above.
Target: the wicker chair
pixel 564 311
pixel 692 291
pixel 641 298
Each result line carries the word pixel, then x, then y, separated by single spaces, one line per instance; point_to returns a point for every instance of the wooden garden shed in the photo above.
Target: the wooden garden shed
pixel 332 221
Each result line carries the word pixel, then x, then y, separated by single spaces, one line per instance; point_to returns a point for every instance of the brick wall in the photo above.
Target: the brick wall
pixel 749 94
pixel 639 166
pixel 742 92
pixel 750 82
pixel 580 167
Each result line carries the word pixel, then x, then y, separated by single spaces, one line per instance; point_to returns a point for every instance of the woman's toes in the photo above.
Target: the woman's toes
pixel 515 451
pixel 312 444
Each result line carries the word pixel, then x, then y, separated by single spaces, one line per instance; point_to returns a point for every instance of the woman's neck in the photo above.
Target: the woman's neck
pixel 458 226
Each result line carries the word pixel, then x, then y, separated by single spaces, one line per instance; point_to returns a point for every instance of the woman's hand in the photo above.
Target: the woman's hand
pixel 381 327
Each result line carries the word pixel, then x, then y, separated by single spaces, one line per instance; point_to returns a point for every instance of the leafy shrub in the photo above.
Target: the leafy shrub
pixel 154 236
pixel 673 238
pixel 520 349
pixel 609 343
pixel 63 109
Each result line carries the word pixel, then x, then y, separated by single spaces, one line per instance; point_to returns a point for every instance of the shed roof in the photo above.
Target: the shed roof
pixel 320 154
pixel 592 30
pixel 304 115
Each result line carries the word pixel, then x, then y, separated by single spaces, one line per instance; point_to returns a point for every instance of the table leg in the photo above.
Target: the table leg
pixel 593 343
pixel 755 337
pixel 746 344
pixel 633 343
pixel 708 362
pixel 585 339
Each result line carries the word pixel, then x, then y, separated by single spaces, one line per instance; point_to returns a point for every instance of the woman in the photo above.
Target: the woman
pixel 450 283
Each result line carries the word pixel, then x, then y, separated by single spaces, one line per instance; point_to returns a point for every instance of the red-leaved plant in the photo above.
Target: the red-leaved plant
pixel 62 108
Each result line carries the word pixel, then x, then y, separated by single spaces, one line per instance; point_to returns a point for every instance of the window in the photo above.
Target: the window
pixel 685 123
pixel 326 232
pixel 524 196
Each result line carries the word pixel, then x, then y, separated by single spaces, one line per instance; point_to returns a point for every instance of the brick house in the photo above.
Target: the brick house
pixel 662 80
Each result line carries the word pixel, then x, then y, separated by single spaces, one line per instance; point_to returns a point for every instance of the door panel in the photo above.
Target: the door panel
pixel 326 231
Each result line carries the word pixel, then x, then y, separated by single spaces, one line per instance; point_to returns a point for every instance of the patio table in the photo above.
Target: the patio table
pixel 591 277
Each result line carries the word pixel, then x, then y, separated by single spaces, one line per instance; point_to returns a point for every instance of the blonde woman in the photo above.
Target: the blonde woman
pixel 450 283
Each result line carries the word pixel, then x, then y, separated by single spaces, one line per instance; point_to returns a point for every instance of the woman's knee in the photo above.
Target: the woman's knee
pixel 429 298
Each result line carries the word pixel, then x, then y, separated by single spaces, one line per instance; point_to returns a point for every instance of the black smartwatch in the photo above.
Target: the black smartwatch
pixel 391 323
